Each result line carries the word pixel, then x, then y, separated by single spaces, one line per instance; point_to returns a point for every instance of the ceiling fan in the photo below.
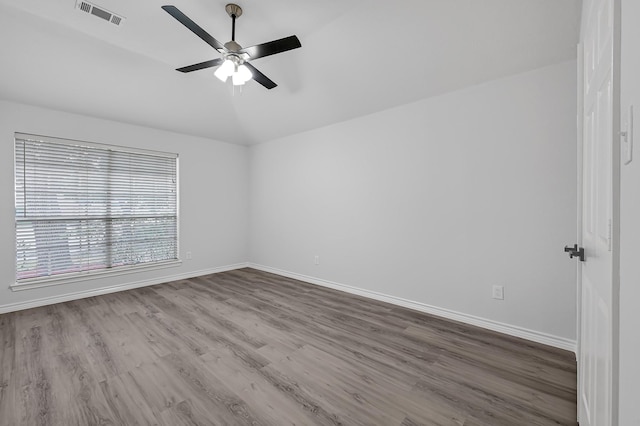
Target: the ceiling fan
pixel 234 62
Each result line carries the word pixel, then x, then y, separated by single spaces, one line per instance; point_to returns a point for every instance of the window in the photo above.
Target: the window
pixel 83 208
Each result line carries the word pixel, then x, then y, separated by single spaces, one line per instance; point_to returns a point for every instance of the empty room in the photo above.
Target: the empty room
pixel 319 212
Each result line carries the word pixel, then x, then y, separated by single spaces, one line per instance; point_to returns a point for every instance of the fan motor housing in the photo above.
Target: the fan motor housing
pixel 232 46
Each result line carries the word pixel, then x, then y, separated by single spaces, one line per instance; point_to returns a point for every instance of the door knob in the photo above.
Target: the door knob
pixel 575 251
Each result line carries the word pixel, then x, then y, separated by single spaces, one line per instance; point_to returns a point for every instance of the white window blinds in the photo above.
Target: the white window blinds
pixel 84 207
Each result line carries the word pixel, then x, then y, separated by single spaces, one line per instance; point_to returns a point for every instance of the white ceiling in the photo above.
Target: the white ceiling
pixel 357 57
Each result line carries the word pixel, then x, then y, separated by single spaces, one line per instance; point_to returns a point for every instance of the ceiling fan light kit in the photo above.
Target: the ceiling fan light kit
pixel 235 68
pixel 234 62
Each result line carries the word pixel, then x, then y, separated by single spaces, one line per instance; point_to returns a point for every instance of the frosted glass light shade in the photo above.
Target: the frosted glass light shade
pixel 245 73
pixel 242 75
pixel 225 70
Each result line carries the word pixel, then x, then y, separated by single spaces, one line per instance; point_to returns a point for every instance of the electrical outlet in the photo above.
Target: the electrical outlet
pixel 316 259
pixel 188 255
pixel 498 292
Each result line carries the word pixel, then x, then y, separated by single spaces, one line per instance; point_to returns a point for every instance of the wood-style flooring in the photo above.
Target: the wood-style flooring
pixel 251 348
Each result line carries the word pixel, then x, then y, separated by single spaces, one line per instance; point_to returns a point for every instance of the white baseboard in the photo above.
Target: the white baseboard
pixel 511 330
pixel 112 289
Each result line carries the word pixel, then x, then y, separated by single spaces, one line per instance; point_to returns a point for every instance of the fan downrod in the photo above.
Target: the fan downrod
pixel 233 10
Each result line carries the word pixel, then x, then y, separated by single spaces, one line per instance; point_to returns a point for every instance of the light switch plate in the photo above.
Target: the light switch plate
pixel 627 138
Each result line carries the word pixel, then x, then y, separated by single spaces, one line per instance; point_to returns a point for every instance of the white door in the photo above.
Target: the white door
pixel 598 305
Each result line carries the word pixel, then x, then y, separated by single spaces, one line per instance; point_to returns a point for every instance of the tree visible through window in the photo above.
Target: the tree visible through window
pixel 83 207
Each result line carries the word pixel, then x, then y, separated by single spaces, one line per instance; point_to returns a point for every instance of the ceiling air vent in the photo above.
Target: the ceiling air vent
pixel 99 12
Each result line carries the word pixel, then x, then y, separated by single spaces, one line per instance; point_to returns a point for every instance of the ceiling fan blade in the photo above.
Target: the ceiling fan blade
pixel 201 65
pixel 195 28
pixel 260 78
pixel 272 47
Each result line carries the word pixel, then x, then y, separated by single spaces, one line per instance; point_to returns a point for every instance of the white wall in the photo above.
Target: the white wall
pixel 435 201
pixel 629 224
pixel 213 195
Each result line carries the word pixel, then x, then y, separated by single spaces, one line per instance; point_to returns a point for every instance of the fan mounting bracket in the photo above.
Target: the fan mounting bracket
pixel 233 10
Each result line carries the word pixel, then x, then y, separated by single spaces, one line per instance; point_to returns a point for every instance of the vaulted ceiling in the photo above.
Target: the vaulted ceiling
pixel 357 57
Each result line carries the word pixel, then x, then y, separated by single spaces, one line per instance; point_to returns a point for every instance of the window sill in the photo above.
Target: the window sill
pixel 90 275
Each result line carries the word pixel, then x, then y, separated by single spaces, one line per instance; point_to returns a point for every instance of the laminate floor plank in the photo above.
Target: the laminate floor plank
pixel 275 408
pixel 312 306
pixel 328 298
pixel 245 322
pixel 457 331
pixel 158 340
pixel 246 347
pixel 192 413
pixel 320 329
pixel 8 367
pixel 363 349
pixel 338 383
pixel 89 340
pixel 391 391
pixel 183 334
pixel 127 345
pixel 126 402
pixel 537 374
pixel 472 388
pixel 161 387
pixel 231 322
pixel 223 406
pixel 76 394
